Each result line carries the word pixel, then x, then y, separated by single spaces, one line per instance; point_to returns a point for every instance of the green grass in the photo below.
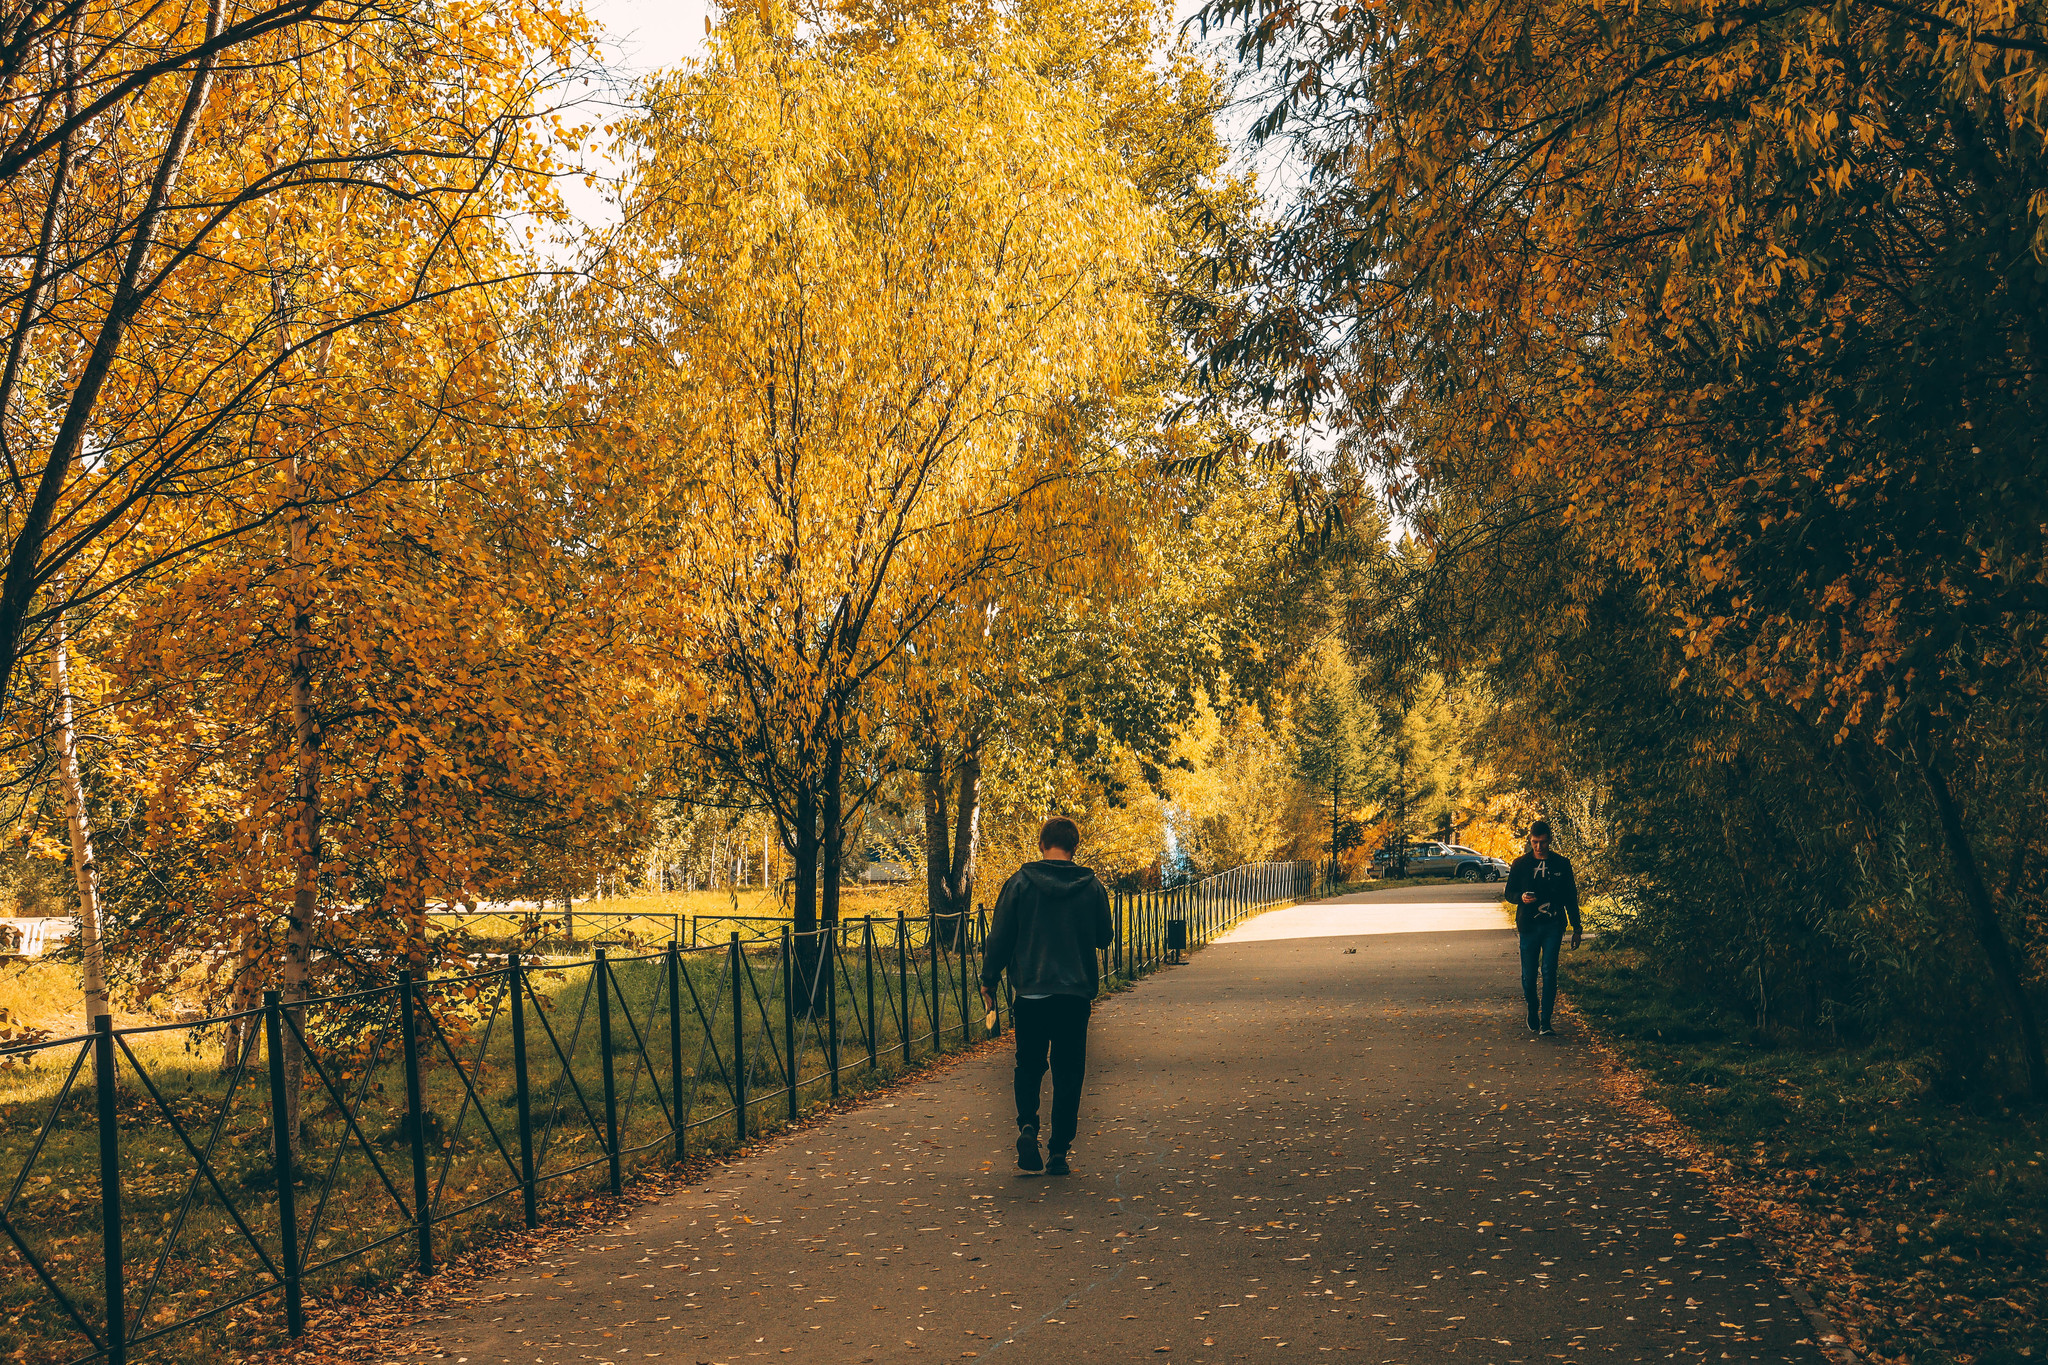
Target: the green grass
pixel 210 1262
pixel 1939 1207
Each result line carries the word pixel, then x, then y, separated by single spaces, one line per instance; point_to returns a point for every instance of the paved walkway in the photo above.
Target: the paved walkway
pixel 1343 1143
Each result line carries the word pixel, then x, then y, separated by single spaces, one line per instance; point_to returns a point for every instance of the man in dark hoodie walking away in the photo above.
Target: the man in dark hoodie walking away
pixel 1545 895
pixel 1051 918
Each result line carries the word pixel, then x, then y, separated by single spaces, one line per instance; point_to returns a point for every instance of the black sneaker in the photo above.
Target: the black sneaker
pixel 1027 1152
pixel 1535 1027
pixel 1546 1031
pixel 1057 1165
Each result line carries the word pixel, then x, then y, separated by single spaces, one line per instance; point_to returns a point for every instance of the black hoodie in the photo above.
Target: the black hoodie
pixel 1557 891
pixel 1052 916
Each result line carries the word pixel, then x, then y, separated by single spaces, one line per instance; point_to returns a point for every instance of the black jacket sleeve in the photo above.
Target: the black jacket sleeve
pixel 1518 882
pixel 1571 895
pixel 1002 933
pixel 1105 922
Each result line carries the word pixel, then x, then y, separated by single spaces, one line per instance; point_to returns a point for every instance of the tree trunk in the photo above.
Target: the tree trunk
pixel 805 911
pixel 938 860
pixel 1990 933
pixel 804 915
pixel 95 964
pixel 414 884
pixel 833 847
pixel 966 842
pixel 241 1034
pixel 305 827
pixel 1333 830
pixel 835 834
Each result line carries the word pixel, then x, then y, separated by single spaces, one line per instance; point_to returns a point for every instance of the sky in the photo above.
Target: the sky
pixel 642 36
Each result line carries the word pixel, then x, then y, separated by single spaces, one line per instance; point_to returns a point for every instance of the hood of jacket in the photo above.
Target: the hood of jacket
pixel 1056 876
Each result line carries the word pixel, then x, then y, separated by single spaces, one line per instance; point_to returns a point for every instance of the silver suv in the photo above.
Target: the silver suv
pixel 1441 860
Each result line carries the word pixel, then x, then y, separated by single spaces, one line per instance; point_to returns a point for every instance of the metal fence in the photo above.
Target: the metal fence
pixel 151 1196
pixel 1204 909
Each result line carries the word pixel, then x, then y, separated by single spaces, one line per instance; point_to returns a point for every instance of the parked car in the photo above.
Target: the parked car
pixel 885 873
pixel 1441 860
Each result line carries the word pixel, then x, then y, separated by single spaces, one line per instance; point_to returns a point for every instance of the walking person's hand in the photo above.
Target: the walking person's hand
pixel 1528 898
pixel 1575 940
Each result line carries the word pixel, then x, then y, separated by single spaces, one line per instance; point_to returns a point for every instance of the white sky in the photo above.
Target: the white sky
pixel 643 36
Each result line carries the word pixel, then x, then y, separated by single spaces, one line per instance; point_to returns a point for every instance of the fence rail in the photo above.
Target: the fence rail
pixel 169 1177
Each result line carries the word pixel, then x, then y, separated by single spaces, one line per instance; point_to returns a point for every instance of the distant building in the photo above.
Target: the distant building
pixel 885 874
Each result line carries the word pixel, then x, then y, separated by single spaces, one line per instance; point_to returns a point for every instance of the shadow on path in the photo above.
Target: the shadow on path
pixel 1342 1144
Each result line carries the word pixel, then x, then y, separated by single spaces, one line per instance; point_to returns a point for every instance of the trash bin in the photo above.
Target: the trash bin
pixel 1176 937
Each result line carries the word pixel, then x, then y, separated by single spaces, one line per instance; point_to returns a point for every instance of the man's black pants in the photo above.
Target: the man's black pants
pixel 1539 951
pixel 1057 1024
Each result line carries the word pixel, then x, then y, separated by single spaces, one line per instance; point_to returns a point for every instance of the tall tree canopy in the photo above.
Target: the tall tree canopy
pixel 1727 319
pixel 861 295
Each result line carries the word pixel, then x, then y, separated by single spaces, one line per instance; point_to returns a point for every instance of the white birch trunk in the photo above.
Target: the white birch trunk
pixel 95 963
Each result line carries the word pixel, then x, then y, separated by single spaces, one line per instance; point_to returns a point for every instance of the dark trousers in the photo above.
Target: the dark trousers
pixel 1539 948
pixel 1057 1025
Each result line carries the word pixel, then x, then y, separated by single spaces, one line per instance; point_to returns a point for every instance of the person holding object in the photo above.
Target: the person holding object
pixel 1050 919
pixel 1545 896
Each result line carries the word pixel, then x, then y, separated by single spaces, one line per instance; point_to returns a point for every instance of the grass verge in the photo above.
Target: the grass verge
pixel 1920 1219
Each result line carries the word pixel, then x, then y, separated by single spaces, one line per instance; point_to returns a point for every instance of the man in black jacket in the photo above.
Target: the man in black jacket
pixel 1545 895
pixel 1050 919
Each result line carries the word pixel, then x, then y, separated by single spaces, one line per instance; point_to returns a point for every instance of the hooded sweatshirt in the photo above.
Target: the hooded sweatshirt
pixel 1550 877
pixel 1050 919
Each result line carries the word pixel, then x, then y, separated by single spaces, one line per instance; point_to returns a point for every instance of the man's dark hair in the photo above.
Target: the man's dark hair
pixel 1540 830
pixel 1061 833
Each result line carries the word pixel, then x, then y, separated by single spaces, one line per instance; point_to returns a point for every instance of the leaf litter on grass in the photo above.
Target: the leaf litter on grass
pixel 1921 1226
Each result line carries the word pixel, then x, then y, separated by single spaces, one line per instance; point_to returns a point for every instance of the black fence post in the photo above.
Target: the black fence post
pixel 903 977
pixel 675 1047
pixel 110 1187
pixel 867 953
pixel 601 969
pixel 1127 934
pixel 830 966
pixel 416 1121
pixel 739 1044
pixel 1117 910
pixel 529 1191
pixel 789 1017
pixel 281 1165
pixel 961 944
pixel 938 1001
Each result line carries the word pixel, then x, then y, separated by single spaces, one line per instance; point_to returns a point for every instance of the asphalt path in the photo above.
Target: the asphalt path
pixel 1329 1143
